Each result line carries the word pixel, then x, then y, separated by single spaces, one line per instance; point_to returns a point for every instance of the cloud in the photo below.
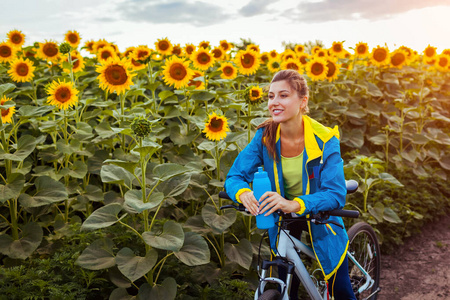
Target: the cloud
pixel 173 12
pixel 333 10
pixel 255 7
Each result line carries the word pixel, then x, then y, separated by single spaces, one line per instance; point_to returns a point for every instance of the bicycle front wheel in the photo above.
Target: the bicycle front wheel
pixel 363 245
pixel 270 295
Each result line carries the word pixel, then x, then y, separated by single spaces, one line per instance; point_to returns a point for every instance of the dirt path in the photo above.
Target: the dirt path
pixel 420 270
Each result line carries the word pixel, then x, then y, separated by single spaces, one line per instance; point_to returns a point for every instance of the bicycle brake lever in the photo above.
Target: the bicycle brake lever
pixel 335 223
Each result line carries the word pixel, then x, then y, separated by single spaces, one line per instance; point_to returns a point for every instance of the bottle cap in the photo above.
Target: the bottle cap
pixel 260 173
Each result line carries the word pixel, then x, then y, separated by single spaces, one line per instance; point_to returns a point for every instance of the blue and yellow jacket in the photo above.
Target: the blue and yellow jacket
pixel 323 186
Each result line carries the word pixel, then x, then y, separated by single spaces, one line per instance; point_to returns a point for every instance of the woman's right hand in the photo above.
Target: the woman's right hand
pixel 249 201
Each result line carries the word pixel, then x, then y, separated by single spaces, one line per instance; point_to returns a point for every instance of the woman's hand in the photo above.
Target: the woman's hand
pixel 250 202
pixel 273 201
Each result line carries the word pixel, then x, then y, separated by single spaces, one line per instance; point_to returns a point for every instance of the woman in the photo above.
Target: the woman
pixel 303 161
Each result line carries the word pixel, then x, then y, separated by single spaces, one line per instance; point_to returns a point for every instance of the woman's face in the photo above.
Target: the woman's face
pixel 284 102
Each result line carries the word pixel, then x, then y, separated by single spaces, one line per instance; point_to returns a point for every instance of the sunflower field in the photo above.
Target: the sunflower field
pixel 111 162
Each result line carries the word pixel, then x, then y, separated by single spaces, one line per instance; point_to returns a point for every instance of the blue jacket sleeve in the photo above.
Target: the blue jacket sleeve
pixel 244 167
pixel 331 189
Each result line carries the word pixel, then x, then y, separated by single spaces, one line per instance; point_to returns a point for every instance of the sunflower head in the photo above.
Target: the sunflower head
pixel 303 58
pixel 361 50
pixel 73 38
pixel 141 54
pixel 253 47
pixel 114 75
pixel 141 127
pixel 16 38
pixel 317 69
pixel 89 46
pixel 216 127
pixel 177 50
pixel 49 51
pixel 8 112
pixel 429 52
pixel 398 58
pixel 247 61
pixel 204 44
pixel 338 49
pixel 265 57
pixel 189 49
pixel 176 72
pixel 164 46
pixel 442 63
pixel 197 82
pixel 315 49
pixel 274 65
pixel 254 94
pixel 62 94
pixel 218 53
pixel 21 70
pixel 65 48
pixel 77 62
pixel 7 52
pixel 273 54
pixel 333 70
pixel 225 45
pixel 380 56
pixel 292 64
pixel 202 59
pixel 105 53
pixel 299 48
pixel 99 44
pixel 228 71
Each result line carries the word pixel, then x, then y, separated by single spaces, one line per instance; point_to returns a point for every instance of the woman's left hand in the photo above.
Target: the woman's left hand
pixel 273 201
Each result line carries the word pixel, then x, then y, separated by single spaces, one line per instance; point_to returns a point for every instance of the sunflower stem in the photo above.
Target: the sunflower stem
pixel 249 113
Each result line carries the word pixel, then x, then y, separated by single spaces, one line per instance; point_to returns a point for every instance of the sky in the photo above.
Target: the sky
pixel 268 23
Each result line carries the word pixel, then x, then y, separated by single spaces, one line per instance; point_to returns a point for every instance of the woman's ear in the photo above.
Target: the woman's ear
pixel 304 103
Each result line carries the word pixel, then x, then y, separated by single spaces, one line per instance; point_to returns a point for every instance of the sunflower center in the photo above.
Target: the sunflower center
pixel 292 66
pixel 397 59
pixel 193 82
pixel 430 52
pixel 73 38
pixel 331 69
pixel 217 53
pixel 275 65
pixel 317 69
pixel 216 124
pixel 116 75
pixel 177 71
pixel 76 63
pixel 16 39
pixel 22 69
pixel 204 58
pixel 224 46
pixel 5 51
pixel 63 94
pixel 443 61
pixel 228 70
pixel 163 45
pixel 204 45
pixel 136 63
pixel 247 60
pixel 5 112
pixel 303 60
pixel 189 50
pixel 273 54
pixel 176 51
pixel 337 48
pixel 50 50
pixel 255 94
pixel 361 49
pixel 380 55
pixel 105 55
pixel 143 54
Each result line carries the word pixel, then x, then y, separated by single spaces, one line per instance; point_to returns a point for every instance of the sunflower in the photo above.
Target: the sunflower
pixel 164 46
pixel 264 57
pixel 77 61
pixel 177 50
pixel 442 62
pixel 333 70
pixel 49 51
pixel 379 56
pixel 288 54
pixel 216 127
pixel 247 61
pixel 189 49
pixel 254 94
pixel 303 58
pixel 21 70
pixel 317 69
pixel 62 94
pixel 410 56
pixel 228 71
pixel 16 38
pixel 398 58
pixel 361 50
pixel 106 53
pixel 115 76
pixel 218 53
pixel 89 46
pixel 253 47
pixel 135 65
pixel 204 44
pixel 7 52
pixel 128 51
pixel 29 52
pixel 176 72
pixel 338 49
pixel 273 54
pixel 99 44
pixel 199 84
pixel 73 38
pixel 202 59
pixel 291 64
pixel 7 113
pixel 299 48
pixel 141 53
pixel 315 49
pixel 324 53
pixel 225 45
pixel 429 52
pixel 274 65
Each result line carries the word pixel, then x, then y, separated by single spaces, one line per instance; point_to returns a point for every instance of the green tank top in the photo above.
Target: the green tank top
pixel 292 175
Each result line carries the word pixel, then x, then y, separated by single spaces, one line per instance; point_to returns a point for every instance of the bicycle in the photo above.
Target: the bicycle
pixel 363 254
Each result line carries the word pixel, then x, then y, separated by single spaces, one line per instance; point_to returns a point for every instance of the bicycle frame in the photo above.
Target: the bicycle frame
pixel 290 248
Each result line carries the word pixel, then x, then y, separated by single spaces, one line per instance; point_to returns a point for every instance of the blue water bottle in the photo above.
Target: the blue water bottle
pixel 261 184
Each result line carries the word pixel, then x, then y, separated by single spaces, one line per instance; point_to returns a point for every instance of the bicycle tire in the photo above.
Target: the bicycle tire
pixel 364 246
pixel 270 295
